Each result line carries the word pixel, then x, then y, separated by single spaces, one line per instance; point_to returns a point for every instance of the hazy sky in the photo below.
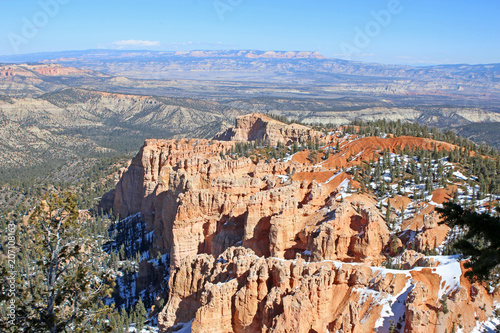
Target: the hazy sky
pixel 390 31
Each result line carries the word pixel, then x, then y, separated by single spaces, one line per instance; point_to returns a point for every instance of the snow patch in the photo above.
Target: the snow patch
pixel 333 177
pixel 449 271
pixel 393 308
pixel 459 175
pixel 183 327
pixel 288 158
pixel 283 178
pixel 488 325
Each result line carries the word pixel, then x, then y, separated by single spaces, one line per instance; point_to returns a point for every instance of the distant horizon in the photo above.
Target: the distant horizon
pixel 403 32
pixel 3 56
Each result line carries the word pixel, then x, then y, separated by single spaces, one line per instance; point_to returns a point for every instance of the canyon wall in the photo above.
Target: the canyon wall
pixel 294 244
pixel 241 292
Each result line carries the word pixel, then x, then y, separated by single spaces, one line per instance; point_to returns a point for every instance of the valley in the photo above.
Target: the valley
pixel 93 103
pixel 237 191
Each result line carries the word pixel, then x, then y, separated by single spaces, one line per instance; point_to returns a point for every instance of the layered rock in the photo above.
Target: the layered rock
pixel 432 234
pixel 47 70
pixel 241 292
pixel 198 201
pixel 356 232
pixel 256 127
pixel 264 245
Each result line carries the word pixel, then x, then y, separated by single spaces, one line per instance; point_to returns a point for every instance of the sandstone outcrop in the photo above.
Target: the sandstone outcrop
pixel 356 232
pixel 259 244
pixel 432 234
pixel 199 202
pixel 33 70
pixel 256 127
pixel 241 292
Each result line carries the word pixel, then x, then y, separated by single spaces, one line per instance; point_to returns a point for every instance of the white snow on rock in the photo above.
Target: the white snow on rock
pixel 489 325
pixel 459 175
pixel 283 178
pixel 288 158
pixel 333 177
pixel 449 271
pixel 393 308
pixel 183 327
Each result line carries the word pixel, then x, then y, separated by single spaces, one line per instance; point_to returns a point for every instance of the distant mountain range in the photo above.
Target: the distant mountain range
pixel 266 221
pixel 278 63
pixel 64 104
pixel 253 54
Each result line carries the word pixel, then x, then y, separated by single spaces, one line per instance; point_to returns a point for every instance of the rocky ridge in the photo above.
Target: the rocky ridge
pixel 25 70
pixel 74 122
pixel 248 54
pixel 241 292
pixel 256 127
pixel 257 243
pixel 267 87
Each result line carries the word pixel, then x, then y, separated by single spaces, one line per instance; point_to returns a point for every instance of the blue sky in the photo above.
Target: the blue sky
pixel 389 31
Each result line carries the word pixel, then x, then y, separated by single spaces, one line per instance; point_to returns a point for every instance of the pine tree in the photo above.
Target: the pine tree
pixel 133 317
pixel 122 252
pixel 444 304
pixel 118 324
pixel 394 244
pixel 327 153
pixel 61 290
pixel 392 326
pixel 388 213
pixel 140 314
pixel 125 318
pixel 481 241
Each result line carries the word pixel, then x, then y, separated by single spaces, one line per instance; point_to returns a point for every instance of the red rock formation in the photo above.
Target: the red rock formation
pixel 291 219
pixel 33 70
pixel 357 232
pixel 56 70
pixel 256 127
pixel 432 234
pixel 241 292
pixel 197 202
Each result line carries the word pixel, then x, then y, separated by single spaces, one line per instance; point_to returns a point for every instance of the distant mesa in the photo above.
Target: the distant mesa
pixel 249 54
pixel 45 69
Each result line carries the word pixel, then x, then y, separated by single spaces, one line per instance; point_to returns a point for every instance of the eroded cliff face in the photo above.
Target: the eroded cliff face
pixel 48 70
pixel 264 245
pixel 197 201
pixel 256 127
pixel 241 292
